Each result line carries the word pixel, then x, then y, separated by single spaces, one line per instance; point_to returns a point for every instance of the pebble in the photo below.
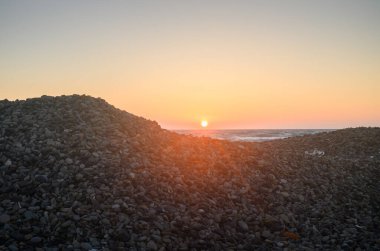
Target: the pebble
pixel 69 161
pixel 4 218
pixel 283 181
pixel 29 215
pixel 325 238
pixel 35 240
pixel 243 226
pixel 116 206
pixel 151 245
pixel 17 236
pixel 13 247
pixel 266 234
pixel 285 194
pixel 285 218
pixel 41 178
pixel 280 244
pixel 86 246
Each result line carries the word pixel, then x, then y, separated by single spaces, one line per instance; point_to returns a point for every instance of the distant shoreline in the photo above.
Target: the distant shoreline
pixel 251 135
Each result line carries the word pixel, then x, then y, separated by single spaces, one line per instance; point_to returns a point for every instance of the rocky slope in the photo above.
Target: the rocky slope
pixel 78 174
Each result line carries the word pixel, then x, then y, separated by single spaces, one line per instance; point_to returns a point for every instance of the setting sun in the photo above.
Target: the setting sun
pixel 204 123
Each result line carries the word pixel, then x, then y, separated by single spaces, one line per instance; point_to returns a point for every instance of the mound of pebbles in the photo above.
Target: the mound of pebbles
pixel 78 174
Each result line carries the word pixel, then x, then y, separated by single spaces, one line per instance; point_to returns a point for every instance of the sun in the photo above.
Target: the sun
pixel 204 123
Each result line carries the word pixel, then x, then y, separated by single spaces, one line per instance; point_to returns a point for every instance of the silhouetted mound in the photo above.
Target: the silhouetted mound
pixel 78 174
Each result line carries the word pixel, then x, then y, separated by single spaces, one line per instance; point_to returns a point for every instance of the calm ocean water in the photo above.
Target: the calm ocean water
pixel 254 135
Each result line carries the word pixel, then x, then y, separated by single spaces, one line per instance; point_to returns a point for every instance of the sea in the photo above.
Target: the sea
pixel 252 135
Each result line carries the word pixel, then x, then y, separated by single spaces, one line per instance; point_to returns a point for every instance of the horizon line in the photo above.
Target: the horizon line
pixel 232 129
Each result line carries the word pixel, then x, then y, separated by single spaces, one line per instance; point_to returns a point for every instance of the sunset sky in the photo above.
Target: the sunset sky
pixel 236 64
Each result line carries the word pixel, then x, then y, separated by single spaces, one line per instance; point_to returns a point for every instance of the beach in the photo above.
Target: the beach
pixel 76 173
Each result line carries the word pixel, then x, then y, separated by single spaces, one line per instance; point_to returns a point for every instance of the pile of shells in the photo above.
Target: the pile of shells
pixel 78 174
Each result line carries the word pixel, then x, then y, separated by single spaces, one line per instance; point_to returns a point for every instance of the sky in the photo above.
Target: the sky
pixel 237 64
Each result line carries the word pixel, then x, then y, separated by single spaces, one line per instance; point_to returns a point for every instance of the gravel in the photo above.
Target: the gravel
pixel 79 174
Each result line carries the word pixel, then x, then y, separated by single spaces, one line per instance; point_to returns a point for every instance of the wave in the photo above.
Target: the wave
pixel 253 135
pixel 255 139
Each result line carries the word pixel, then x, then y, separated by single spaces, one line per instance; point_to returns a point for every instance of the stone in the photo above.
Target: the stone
pixel 151 245
pixel 13 247
pixel 266 234
pixel 116 206
pixel 36 240
pixel 301 198
pixel 122 235
pixel 29 215
pixel 86 246
pixel 66 224
pixel 17 236
pixel 285 194
pixel 285 218
pixel 51 249
pixel 243 226
pixel 41 178
pixel 4 218
pixel 76 217
pixel 325 238
pixel 283 181
pixel 69 161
